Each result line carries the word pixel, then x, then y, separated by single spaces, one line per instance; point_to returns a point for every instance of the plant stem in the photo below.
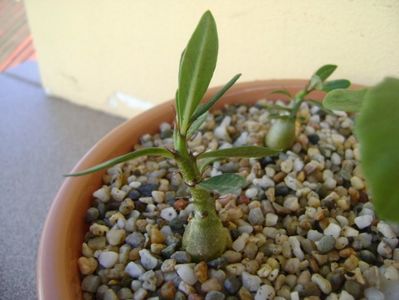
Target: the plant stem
pixel 204 237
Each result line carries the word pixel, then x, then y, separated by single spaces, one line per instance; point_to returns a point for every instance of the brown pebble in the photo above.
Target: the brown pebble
pixel 211 284
pixel 279 177
pixel 134 254
pixel 141 225
pixel 156 236
pixel 346 252
pixel 201 271
pixel 87 265
pixel 180 204
pixel 168 291
pixel 244 294
pixel 195 297
pixel 251 266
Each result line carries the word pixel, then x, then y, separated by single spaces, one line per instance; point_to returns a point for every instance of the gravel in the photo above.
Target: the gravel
pixel 303 227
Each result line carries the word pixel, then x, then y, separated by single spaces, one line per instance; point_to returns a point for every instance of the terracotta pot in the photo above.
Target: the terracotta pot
pixel 60 246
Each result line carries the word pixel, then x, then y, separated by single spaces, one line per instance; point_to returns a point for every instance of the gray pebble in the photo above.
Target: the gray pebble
pixel 255 216
pixel 325 244
pixel 181 257
pixel 148 260
pixel 215 295
pixel 135 239
pixel 250 282
pixel 232 284
pixel 90 283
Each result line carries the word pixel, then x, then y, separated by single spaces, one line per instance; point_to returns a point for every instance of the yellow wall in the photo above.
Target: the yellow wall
pixel 109 54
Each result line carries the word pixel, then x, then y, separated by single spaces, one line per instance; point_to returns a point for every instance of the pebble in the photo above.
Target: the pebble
pixel 232 284
pixel 168 265
pixel 156 236
pixel 168 214
pixel 125 294
pixel 181 257
pixel 322 283
pixel 148 261
pixel 239 244
pixel 117 194
pixel 291 203
pixel 211 284
pixel 265 292
pixel 140 294
pixel 90 283
pixel 271 219
pixel 325 244
pixel 386 230
pixel 103 194
pixel 135 239
pixel 201 271
pixel 357 183
pixel 215 295
pixel 333 230
pixel 292 265
pixel 232 256
pixel 115 236
pixel 168 291
pixel 250 282
pixel 251 193
pixel 363 221
pixel 186 273
pixel 108 259
pixel 134 270
pixel 255 216
pixel 87 265
pixel 149 280
pixel 373 293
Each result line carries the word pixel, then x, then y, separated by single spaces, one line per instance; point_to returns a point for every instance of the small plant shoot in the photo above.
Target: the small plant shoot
pixel 205 237
pixel 376 129
pixel 282 132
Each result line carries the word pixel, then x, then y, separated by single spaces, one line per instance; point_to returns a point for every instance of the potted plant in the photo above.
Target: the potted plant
pixel 290 233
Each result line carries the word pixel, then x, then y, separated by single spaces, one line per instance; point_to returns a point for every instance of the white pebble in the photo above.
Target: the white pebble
pixel 221 131
pixel 264 182
pixel 118 194
pixel 291 203
pixel 335 159
pixel 294 296
pixel 103 194
pixel 265 292
pixel 350 232
pixel 373 293
pixel 345 296
pixel 186 273
pixel 250 282
pixel 386 230
pixel 322 283
pixel 286 166
pixel 168 213
pixel 108 259
pixel 384 249
pixel 251 192
pixel 135 184
pixel 292 182
pixel 363 221
pixel 134 270
pixel 391 273
pixel 333 230
pixel 357 183
pixel 296 247
pixel 147 259
pixel 314 235
pixel 239 244
pixel 298 165
pixel 271 219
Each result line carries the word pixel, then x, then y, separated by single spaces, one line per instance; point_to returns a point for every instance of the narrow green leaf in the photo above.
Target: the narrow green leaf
pixel 320 76
pixel 224 184
pixel 179 112
pixel 377 130
pixel 126 157
pixel 335 84
pixel 345 100
pixel 202 108
pixel 197 124
pixel 203 163
pixel 196 68
pixel 243 151
pixel 282 92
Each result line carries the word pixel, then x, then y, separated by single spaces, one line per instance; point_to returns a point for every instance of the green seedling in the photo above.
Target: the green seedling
pixel 205 237
pixel 376 127
pixel 281 134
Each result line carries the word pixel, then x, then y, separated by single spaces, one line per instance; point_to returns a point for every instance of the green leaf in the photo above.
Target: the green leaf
pixel 335 84
pixel 377 130
pixel 202 108
pixel 196 68
pixel 276 107
pixel 126 157
pixel 197 124
pixel 203 163
pixel 345 100
pixel 320 76
pixel 243 151
pixel 282 92
pixel 224 184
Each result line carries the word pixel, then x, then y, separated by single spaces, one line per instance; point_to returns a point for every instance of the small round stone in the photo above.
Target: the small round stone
pixel 215 295
pixel 181 257
pixel 250 282
pixel 108 259
pixel 322 283
pixel 325 244
pixel 211 284
pixel 90 283
pixel 265 292
pixel 201 271
pixel 186 273
pixel 134 270
pixel 116 236
pixel 87 265
pixel 271 219
pixel 232 284
pixel 168 291
pixel 168 214
pixel 255 216
pixel 147 259
pixel 333 230
pixel 363 221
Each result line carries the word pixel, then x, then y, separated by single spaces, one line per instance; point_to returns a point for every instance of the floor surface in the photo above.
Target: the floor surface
pixel 40 139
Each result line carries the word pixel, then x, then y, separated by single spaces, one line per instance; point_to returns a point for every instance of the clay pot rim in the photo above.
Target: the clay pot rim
pixel 48 277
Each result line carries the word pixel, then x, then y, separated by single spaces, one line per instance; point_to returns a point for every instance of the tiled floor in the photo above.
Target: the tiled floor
pixel 41 138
